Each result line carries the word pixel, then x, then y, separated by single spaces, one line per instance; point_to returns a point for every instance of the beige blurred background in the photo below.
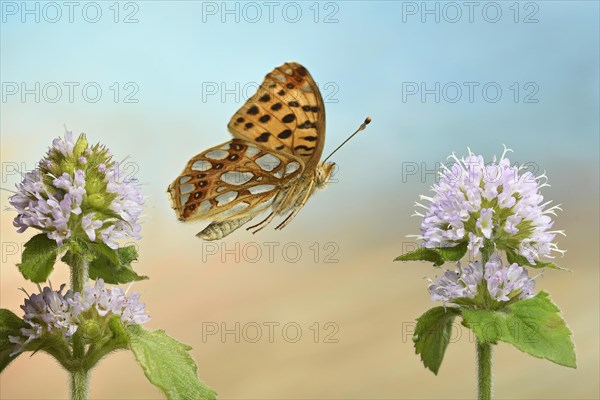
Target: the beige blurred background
pixel 369 302
pixel 330 271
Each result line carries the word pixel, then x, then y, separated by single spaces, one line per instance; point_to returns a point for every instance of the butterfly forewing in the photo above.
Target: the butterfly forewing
pixel 237 178
pixel 286 114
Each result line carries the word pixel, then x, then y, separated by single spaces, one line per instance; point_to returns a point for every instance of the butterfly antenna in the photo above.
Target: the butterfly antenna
pixel 360 128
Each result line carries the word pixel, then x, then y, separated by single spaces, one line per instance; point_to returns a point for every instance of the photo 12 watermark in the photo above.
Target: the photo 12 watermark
pixel 429 172
pixel 13 171
pixel 470 92
pixel 453 12
pixel 270 252
pixel 11 252
pixel 270 332
pixel 53 12
pixel 252 12
pixel 520 332
pixel 238 92
pixel 70 92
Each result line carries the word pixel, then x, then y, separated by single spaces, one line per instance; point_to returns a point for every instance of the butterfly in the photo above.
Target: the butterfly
pixel 273 161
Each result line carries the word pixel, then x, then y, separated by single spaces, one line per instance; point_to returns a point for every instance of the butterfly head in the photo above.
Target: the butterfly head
pixel 323 173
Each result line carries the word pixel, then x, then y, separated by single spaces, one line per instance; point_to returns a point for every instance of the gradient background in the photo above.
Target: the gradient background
pixel 361 62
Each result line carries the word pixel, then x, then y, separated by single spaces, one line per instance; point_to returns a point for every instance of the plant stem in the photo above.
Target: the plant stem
pixel 79 375
pixel 484 350
pixel 79 384
pixel 79 272
pixel 484 371
pixel 487 251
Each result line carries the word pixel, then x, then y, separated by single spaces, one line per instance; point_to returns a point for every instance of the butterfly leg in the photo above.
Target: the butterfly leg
pixel 297 208
pixel 262 223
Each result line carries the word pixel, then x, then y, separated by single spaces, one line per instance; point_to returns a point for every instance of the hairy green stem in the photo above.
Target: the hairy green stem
pixel 79 272
pixel 487 251
pixel 79 384
pixel 484 350
pixel 484 371
pixel 79 375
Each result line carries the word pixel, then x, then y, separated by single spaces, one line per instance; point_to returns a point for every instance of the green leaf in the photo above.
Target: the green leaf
pixel 513 257
pixel 167 364
pixel 432 335
pixel 437 256
pixel 101 251
pixel 114 266
pixel 38 258
pixel 453 253
pixel 422 254
pixel 533 325
pixel 10 325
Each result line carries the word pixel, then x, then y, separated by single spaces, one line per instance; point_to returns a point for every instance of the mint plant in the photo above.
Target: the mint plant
pixel 495 215
pixel 83 207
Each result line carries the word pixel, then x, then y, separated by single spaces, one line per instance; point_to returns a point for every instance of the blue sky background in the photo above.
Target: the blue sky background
pixel 366 57
pixel 364 62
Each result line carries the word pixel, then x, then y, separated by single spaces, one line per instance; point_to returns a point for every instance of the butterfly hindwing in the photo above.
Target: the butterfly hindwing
pixel 235 179
pixel 286 114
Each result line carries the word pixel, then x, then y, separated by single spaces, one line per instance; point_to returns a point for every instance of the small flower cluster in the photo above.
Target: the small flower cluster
pixel 53 312
pixel 503 283
pixel 75 192
pixel 474 202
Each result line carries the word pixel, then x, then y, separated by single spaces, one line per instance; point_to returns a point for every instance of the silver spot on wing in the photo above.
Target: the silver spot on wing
pixel 225 198
pixel 201 165
pixel 268 162
pixel 235 209
pixel 261 189
pixel 184 179
pixel 236 177
pixel 251 151
pixel 217 154
pixel 291 168
pixel 204 207
pixel 187 188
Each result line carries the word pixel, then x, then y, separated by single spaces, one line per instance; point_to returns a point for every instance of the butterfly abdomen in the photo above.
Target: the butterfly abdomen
pixel 218 230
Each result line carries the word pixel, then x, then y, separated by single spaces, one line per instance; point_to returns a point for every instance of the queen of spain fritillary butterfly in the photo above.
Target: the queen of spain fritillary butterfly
pixel 273 161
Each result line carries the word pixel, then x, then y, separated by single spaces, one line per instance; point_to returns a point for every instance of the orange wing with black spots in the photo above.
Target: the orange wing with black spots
pixel 232 180
pixel 286 114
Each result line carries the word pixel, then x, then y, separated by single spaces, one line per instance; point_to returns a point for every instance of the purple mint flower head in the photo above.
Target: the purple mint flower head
pixel 51 311
pixel 109 301
pixel 75 193
pixel 474 201
pixel 504 283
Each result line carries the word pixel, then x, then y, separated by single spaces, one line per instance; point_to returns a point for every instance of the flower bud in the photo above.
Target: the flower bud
pixel 80 146
pixel 91 330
